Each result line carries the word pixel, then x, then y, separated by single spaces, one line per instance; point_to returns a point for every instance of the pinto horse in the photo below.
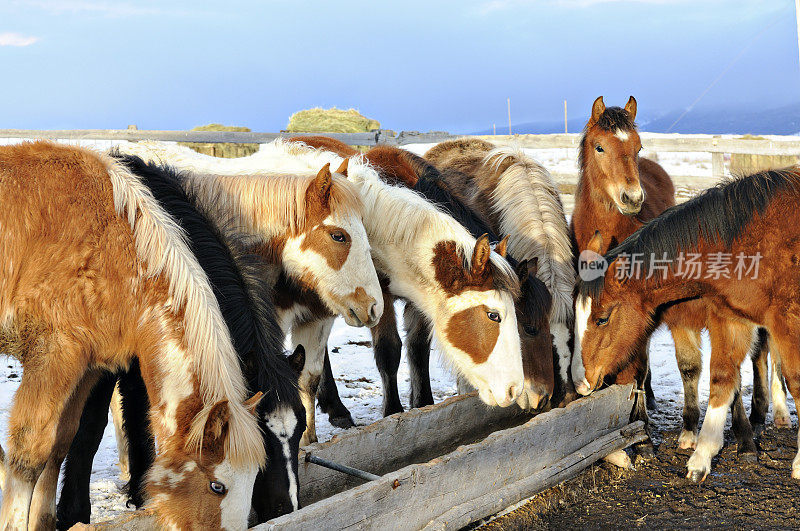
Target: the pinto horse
pixel 753 222
pixel 308 226
pixel 461 286
pixel 240 285
pixel 400 167
pixel 95 273
pixel 617 193
pixel 519 198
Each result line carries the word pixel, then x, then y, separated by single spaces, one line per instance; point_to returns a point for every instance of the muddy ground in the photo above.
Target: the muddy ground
pixel 736 495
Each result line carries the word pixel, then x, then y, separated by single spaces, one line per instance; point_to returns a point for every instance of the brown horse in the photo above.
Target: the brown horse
pixel 519 198
pixel 94 274
pixel 619 191
pixel 751 225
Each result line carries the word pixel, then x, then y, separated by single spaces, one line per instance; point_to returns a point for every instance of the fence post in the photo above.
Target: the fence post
pixel 717 163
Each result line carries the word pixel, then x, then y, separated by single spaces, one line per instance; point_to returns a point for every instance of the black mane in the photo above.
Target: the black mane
pixel 719 215
pixel 239 283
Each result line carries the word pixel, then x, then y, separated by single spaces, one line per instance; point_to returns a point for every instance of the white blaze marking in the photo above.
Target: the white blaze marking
pixel 622 135
pixel 583 310
pixel 235 506
pixel 282 424
pixel 560 339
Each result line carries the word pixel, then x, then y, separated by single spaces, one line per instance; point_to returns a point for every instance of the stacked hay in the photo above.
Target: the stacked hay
pixel 331 121
pixel 222 149
pixel 749 164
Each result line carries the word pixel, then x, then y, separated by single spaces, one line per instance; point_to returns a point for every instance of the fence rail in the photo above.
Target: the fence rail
pixel 717 145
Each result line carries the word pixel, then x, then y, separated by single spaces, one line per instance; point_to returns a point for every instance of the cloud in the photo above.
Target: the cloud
pixel 15 39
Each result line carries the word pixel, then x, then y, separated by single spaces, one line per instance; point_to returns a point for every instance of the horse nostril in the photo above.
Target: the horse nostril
pixel 373 311
pixel 625 198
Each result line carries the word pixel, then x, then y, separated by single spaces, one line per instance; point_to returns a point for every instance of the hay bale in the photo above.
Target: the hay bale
pixel 222 149
pixel 331 121
pixel 749 164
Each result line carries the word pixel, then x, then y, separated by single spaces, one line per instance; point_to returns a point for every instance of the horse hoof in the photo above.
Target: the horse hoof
pixel 644 451
pixel 696 476
pixel 796 472
pixel 783 420
pixel 569 397
pixel 344 422
pixel 619 458
pixel 758 429
pixel 748 457
pixel 687 440
pixel 652 405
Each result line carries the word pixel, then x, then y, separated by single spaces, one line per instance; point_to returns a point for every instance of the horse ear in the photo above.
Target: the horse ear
pixel 322 184
pixel 217 423
pixel 596 242
pixel 252 403
pixel 533 266
pixel 522 270
pixel 480 256
pixel 598 108
pixel 631 107
pixel 501 247
pixel 342 169
pixel 297 360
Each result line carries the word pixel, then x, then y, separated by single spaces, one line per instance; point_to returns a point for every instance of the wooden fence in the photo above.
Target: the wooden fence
pixel 717 145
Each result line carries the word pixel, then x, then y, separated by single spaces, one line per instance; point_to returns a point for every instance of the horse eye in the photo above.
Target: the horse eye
pixel 601 321
pixel 599 148
pixel 531 330
pixel 494 316
pixel 217 487
pixel 338 237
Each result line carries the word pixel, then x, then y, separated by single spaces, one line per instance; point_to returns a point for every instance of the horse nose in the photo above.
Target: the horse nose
pixel 633 198
pixel 512 393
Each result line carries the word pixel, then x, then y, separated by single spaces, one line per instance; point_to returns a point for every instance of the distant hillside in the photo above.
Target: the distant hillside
pixel 779 121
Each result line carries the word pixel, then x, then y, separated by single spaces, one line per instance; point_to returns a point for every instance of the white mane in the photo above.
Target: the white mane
pixel 161 244
pixel 532 215
pixel 393 216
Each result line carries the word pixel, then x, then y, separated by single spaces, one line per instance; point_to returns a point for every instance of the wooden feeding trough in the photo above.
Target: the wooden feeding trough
pixel 450 464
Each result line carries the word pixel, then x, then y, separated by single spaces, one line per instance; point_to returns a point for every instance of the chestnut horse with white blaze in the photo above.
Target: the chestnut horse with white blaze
pixel 617 193
pixel 94 274
pixel 754 221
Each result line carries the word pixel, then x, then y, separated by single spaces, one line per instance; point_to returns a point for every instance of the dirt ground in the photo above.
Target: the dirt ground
pixel 736 495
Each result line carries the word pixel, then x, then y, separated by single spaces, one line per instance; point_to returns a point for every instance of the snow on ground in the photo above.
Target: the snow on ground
pixel 358 380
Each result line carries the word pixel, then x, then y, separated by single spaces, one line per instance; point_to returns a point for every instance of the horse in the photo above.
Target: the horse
pixel 399 167
pixel 240 285
pixel 617 193
pixel 464 288
pixel 95 273
pixel 308 225
pixel 519 198
pixel 750 224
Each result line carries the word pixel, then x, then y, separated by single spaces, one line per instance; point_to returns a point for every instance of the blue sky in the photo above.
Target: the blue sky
pixel 413 65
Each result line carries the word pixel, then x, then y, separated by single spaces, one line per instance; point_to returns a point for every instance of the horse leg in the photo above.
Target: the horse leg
pixel 387 348
pixel 119 434
pixel 786 344
pixel 43 503
pixel 780 409
pixel 741 428
pixel 635 373
pixel 314 338
pixel 690 364
pixel 73 504
pixel 49 378
pixel 730 342
pixel 760 403
pixel 328 398
pixel 136 424
pixel 418 350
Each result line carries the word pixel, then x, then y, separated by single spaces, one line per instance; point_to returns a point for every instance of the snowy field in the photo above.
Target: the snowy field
pixel 358 379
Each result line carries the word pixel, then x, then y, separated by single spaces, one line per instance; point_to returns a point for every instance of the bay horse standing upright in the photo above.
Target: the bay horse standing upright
pixel 617 193
pixel 754 221
pixel 519 198
pixel 94 274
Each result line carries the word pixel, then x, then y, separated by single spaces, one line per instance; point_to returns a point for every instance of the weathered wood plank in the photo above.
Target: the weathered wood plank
pixel 567 468
pixel 416 495
pixel 402 439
